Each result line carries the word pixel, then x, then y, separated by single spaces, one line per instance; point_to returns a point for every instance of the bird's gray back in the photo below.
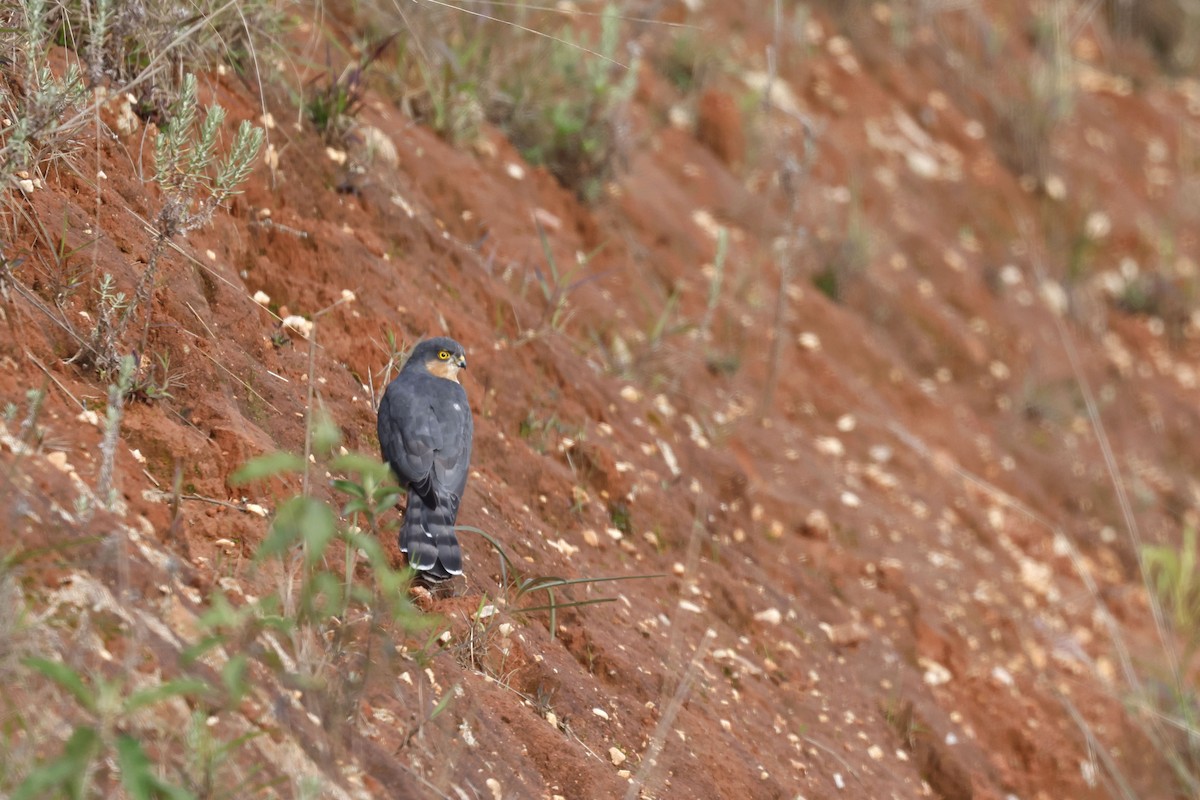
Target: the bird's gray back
pixel 425 425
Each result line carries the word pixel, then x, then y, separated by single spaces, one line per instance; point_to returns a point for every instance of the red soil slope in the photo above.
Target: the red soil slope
pixel 893 560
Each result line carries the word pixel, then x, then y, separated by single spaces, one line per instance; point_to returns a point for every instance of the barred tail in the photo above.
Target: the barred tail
pixel 427 536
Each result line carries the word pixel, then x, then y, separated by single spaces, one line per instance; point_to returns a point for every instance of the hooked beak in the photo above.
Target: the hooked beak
pixel 462 362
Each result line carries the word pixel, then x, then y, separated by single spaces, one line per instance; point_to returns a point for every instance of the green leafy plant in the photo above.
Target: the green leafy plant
pixel 685 60
pixel 147 49
pixel 110 705
pixel 333 622
pixel 37 105
pixel 556 286
pixel 194 183
pixel 451 97
pixel 844 259
pixel 117 392
pixel 518 585
pixel 564 103
pixel 305 528
pixel 332 107
pixel 1176 576
pixel 155 382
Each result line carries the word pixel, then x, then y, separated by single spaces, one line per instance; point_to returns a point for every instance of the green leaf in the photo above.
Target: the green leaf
pixel 266 466
pixel 362 465
pixel 322 594
pixel 66 678
pixel 386 496
pixel 349 487
pixel 505 561
pixel 326 434
pixel 67 772
pixel 200 647
pixel 566 604
pixel 443 703
pixel 551 582
pixel 137 774
pixel 155 694
pixel 233 675
pixel 355 507
pixel 300 519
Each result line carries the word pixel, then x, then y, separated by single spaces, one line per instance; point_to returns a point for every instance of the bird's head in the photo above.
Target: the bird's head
pixel 442 356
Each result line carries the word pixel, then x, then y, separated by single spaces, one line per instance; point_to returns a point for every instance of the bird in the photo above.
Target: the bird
pixel 425 435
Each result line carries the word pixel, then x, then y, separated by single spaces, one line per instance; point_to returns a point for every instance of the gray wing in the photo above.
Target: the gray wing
pixel 452 460
pixel 410 435
pixel 425 431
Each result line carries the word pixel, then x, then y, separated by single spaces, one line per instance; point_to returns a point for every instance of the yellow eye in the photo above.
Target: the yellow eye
pixel 444 355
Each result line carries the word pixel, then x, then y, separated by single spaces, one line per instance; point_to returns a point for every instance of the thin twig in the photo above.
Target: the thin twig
pixel 1097 747
pixel 534 31
pixel 659 738
pixel 169 497
pixel 271 224
pixel 224 368
pixel 1118 484
pixel 845 764
pixel 56 381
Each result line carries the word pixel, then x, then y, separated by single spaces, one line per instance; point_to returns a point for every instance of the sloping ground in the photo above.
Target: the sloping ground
pixel 892 560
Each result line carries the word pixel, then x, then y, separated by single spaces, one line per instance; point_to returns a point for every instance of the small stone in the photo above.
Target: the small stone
pixel 1002 676
pixel 59 459
pixel 1056 188
pixel 547 220
pixel 601 713
pixel 590 538
pixel 298 324
pixel 616 756
pixel 846 634
pixel 817 525
pixel 935 673
pixel 829 446
pixel 771 616
pixel 262 298
pixel 1098 225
